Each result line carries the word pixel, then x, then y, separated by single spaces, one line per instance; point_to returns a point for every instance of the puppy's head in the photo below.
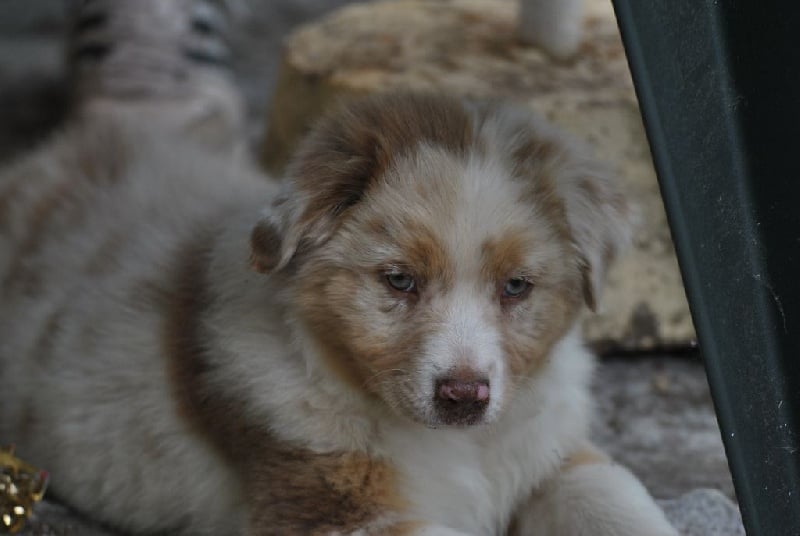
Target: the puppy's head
pixel 437 251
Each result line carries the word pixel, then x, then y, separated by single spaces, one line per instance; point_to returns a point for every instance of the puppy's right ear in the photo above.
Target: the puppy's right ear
pixel 275 237
pixel 332 168
pixel 329 173
pixel 343 156
pixel 265 247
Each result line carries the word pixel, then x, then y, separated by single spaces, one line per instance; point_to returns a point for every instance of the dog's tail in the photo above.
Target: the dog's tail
pixel 166 59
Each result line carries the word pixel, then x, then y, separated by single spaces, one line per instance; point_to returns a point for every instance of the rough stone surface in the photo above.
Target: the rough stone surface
pixel 53 519
pixel 655 416
pixel 704 512
pixel 469 48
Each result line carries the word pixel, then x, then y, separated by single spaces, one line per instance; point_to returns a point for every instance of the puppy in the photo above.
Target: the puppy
pixel 385 343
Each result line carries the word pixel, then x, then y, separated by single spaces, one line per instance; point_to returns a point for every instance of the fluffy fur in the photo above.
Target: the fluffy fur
pixel 190 348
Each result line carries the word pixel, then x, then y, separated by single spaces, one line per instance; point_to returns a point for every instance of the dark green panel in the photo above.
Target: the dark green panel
pixel 719 86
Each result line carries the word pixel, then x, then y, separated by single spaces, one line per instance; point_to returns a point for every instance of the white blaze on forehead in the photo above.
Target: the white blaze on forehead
pixel 466 337
pixel 466 341
pixel 488 206
pixel 491 207
pixel 465 199
pixel 483 204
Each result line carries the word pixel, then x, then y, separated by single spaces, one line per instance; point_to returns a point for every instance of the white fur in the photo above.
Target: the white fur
pixel 595 500
pixel 106 426
pixel 473 479
pixel 109 431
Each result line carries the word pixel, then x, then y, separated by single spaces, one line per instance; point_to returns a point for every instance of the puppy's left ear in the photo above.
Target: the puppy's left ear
pixel 599 217
pixel 600 220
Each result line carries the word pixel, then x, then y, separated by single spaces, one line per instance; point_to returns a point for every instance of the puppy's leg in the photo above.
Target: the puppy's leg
pixel 555 25
pixel 164 63
pixel 592 496
pixel 295 491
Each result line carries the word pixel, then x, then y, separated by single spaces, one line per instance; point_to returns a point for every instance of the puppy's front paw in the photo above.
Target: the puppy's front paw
pixel 599 499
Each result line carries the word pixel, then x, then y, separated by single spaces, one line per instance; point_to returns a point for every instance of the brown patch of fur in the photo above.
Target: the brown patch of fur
pixel 426 256
pixel 604 196
pixel 513 527
pixel 587 286
pixel 328 329
pixel 541 160
pixel 536 160
pixel 534 322
pixel 355 354
pixel 546 313
pixel 615 205
pixel 347 152
pixel 183 338
pixel 340 358
pixel 291 490
pixel 319 494
pixel 377 227
pixel 540 150
pixel 588 455
pixel 526 349
pixel 355 144
pixel 337 352
pixel 265 246
pixel 503 255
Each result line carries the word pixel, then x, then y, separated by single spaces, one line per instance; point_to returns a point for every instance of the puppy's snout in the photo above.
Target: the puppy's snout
pixel 463 391
pixel 460 401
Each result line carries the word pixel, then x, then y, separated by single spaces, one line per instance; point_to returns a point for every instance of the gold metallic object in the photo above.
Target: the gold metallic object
pixel 21 486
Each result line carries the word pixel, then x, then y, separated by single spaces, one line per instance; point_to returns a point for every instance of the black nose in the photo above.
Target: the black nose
pixel 460 401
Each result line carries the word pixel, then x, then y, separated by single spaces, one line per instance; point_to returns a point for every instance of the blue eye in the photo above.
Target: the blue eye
pixel 516 287
pixel 400 281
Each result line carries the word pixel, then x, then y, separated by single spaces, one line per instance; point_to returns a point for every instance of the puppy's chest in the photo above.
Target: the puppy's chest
pixel 467 480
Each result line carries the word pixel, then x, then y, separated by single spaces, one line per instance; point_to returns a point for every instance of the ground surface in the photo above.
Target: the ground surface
pixel 654 411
